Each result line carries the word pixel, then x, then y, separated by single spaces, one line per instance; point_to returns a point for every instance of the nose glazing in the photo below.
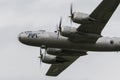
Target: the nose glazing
pixel 21 36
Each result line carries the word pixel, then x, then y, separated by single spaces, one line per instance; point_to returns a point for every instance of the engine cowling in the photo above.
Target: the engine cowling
pixel 81 18
pixel 54 51
pixel 51 59
pixel 68 31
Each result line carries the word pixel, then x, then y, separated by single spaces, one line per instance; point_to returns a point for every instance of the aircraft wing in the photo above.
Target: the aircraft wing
pixel 101 15
pixel 56 69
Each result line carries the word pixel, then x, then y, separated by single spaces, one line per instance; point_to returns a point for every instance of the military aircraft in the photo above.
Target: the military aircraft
pixel 67 44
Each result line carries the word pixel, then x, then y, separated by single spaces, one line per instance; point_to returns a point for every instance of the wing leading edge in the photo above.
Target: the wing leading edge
pixel 101 15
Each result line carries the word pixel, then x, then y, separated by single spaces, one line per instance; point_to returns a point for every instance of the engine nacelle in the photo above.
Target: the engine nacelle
pixel 81 18
pixel 63 52
pixel 68 31
pixel 51 59
pixel 54 51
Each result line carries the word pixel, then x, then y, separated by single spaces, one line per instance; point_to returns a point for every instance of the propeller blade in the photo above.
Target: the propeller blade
pixel 59 27
pixel 40 61
pixel 57 31
pixel 70 21
pixel 45 51
pixel 40 51
pixel 58 34
pixel 71 13
pixel 71 10
pixel 41 56
pixel 60 24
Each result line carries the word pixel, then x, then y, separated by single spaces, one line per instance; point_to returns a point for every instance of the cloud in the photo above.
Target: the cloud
pixel 20 12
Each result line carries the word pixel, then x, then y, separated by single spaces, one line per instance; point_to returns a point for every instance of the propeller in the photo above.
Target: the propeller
pixel 71 13
pixel 41 56
pixel 59 27
pixel 45 51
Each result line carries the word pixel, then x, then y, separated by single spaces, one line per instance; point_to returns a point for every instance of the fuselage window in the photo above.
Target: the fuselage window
pixel 111 42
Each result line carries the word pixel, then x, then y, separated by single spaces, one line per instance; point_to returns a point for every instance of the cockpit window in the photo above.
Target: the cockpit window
pixel 42 30
pixel 28 31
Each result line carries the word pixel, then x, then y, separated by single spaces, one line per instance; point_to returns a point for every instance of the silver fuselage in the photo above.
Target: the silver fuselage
pixel 51 40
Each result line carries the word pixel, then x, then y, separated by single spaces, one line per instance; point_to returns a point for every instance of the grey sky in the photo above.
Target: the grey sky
pixel 20 62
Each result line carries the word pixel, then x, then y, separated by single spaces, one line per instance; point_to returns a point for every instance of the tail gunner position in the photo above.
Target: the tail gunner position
pixel 63 47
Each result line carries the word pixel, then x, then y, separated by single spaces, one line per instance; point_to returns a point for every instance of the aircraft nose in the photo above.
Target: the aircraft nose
pixel 21 36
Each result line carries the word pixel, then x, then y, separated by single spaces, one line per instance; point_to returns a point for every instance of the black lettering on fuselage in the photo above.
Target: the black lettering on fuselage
pixel 32 35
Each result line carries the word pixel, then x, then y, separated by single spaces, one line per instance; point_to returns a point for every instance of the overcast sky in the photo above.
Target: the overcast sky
pixel 20 62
